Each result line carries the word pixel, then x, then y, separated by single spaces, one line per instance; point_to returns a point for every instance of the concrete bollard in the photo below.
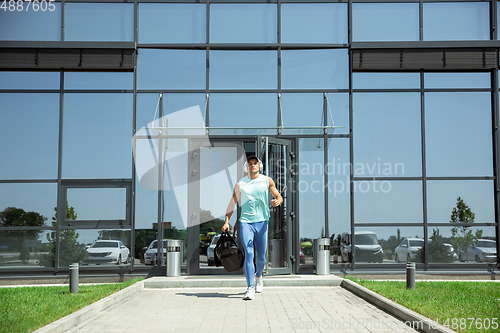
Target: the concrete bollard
pixel 410 275
pixel 73 278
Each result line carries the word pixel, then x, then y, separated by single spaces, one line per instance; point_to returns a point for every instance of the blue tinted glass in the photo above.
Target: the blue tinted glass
pixel 98 203
pixel 387 134
pixel 456 21
pixel 30 25
pixel 29 131
pixel 386 80
pixel 302 110
pixel 243 69
pixel 97 136
pixel 315 69
pixel 458 134
pixel 172 23
pixel 457 80
pixel 99 21
pixel 171 69
pixel 89 80
pixel 338 110
pixel 243 23
pixel 314 23
pixel 29 80
pixel 385 22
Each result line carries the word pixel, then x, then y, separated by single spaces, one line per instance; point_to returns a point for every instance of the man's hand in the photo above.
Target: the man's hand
pixel 225 227
pixel 275 202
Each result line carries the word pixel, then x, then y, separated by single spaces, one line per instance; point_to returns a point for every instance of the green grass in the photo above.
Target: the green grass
pixel 444 301
pixel 25 309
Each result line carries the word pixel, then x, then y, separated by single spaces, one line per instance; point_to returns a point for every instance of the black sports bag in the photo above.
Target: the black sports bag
pixel 228 254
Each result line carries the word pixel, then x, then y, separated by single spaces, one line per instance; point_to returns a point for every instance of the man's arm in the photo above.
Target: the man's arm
pixel 230 208
pixel 278 199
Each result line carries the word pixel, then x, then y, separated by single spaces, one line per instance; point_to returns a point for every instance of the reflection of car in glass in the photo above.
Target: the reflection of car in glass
pixel 108 251
pixel 451 250
pixel 152 250
pixel 407 250
pixel 211 251
pixel 482 250
pixel 302 257
pixel 366 248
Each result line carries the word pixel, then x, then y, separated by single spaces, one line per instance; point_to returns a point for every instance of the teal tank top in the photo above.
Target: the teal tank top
pixel 254 199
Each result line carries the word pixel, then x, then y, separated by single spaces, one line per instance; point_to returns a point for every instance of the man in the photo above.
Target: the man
pixel 252 192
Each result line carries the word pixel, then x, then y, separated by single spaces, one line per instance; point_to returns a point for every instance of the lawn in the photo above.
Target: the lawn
pixel 461 306
pixel 25 309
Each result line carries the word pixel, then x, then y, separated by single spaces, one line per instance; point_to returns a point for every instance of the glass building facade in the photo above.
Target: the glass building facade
pixel 376 119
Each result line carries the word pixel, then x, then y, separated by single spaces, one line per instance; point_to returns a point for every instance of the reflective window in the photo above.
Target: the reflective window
pixel 29 127
pixel 146 207
pixel 315 69
pixel 243 23
pixel 442 196
pixel 171 69
pixel 172 23
pixel 25 199
pixel 302 110
pixel 314 23
pixel 386 80
pixel 243 70
pixel 385 22
pixel 388 201
pixel 89 80
pixel 31 25
pixel 457 80
pixel 99 21
pixel 24 249
pixel 456 21
pixel 387 134
pixel 98 203
pixel 29 80
pixel 97 136
pixel 338 105
pixel 458 134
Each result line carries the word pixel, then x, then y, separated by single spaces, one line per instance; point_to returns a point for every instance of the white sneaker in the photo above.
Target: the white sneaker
pixel 250 294
pixel 259 285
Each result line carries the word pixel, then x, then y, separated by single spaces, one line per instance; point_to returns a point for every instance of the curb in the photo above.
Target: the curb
pixel 415 320
pixel 91 310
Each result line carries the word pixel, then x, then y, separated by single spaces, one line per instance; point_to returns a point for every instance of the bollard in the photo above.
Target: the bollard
pixel 323 256
pixel 410 275
pixel 73 278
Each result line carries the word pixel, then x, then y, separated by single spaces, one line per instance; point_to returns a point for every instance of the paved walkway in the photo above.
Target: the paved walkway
pixel 221 309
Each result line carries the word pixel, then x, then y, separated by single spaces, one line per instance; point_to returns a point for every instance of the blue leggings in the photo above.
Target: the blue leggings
pixel 254 233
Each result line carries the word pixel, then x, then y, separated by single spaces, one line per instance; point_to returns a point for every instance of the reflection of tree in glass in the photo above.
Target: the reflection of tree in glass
pixel 389 245
pixel 462 236
pixel 439 251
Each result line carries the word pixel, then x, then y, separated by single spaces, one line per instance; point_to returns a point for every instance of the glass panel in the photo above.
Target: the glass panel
pixel 392 241
pixel 146 245
pixel 456 21
pixel 447 245
pixel 146 207
pixel 172 23
pixel 302 110
pixel 243 23
pixel 29 132
pixel 97 136
pixel 385 22
pixel 171 69
pixel 27 204
pixel 315 69
pixel 314 23
pixel 457 80
pixel 449 117
pixel 387 135
pixel 24 249
pixel 388 201
pixel 89 80
pixel 243 70
pixel 386 80
pixel 338 105
pixel 30 25
pixel 442 197
pixel 99 21
pixel 98 203
pixel 29 80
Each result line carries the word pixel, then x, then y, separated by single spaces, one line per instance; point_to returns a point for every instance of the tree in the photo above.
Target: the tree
pixel 462 236
pixel 439 252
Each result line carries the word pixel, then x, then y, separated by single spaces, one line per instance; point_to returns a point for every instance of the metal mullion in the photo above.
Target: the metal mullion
pixel 61 189
pixel 388 224
pixel 325 161
pixel 29 91
pixel 421 20
pixel 496 152
pixel 351 145
pixel 63 18
pixel 364 179
pixel 424 166
pixel 28 181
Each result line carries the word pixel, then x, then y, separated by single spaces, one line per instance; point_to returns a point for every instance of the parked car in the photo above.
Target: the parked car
pixel 366 247
pixel 211 250
pixel 152 250
pixel 407 250
pixel 482 250
pixel 302 257
pixel 108 251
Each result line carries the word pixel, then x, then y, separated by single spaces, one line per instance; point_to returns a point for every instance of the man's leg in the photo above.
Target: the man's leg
pixel 260 246
pixel 247 239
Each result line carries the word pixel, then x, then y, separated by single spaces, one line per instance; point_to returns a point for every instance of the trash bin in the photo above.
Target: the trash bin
pixel 174 257
pixel 322 251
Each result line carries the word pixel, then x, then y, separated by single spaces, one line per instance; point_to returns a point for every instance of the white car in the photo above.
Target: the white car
pixel 152 250
pixel 482 250
pixel 407 250
pixel 108 251
pixel 211 250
